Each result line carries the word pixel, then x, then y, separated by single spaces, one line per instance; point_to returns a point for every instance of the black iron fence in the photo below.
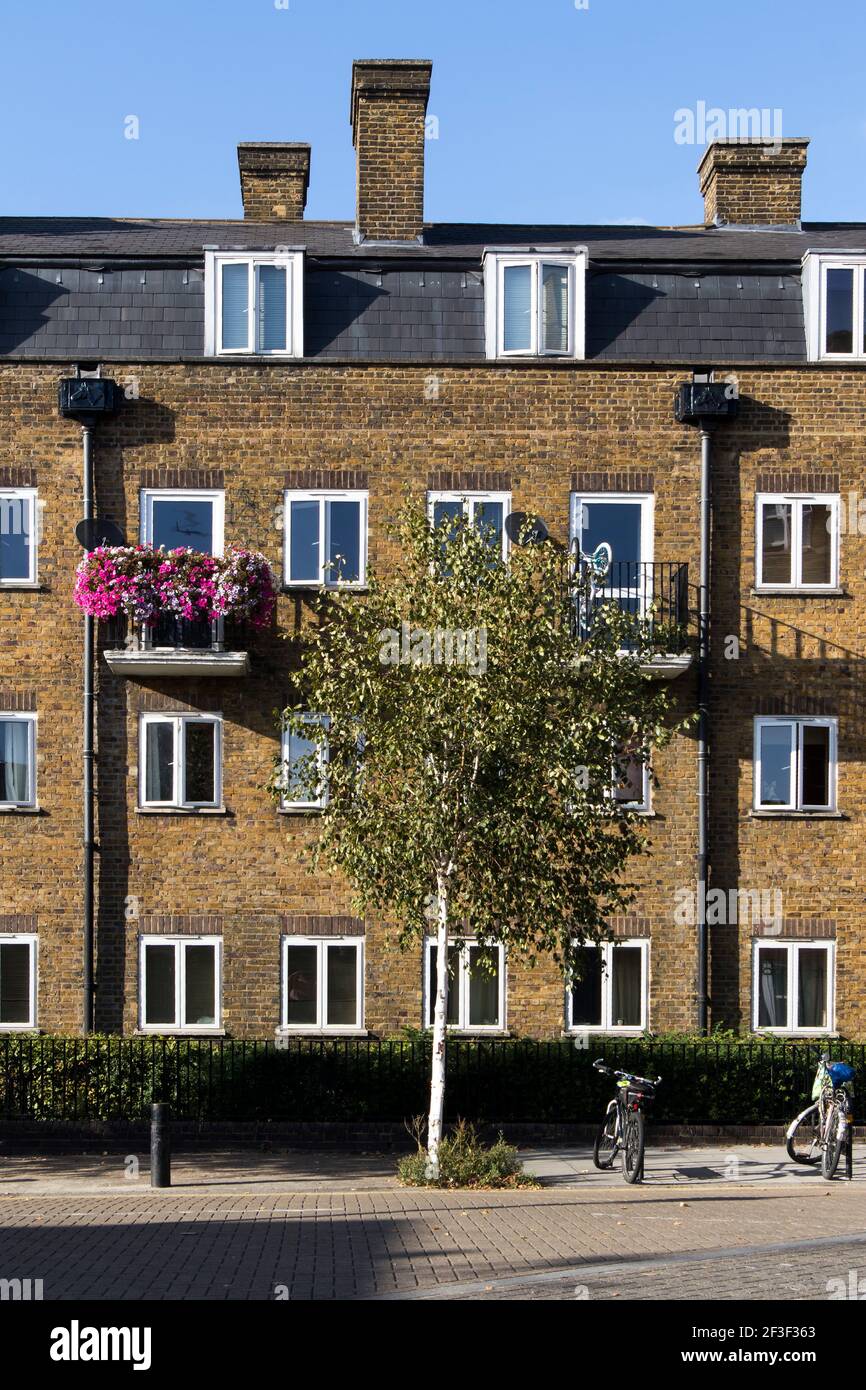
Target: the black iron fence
pixel 656 596
pixel 361 1080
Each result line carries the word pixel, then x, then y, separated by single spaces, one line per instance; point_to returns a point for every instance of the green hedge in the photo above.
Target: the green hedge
pixel 703 1082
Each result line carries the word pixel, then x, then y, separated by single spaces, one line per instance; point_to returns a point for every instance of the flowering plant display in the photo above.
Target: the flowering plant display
pixel 143 584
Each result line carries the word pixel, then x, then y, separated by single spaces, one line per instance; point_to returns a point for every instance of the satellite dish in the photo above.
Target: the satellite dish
pixel 96 531
pixel 523 529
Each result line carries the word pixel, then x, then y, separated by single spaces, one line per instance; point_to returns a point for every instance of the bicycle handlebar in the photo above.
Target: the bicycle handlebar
pixel 601 1066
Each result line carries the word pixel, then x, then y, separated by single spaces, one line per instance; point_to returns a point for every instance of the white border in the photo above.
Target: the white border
pixel 293 261
pixel 31 940
pixel 495 262
pixel 796 501
pixel 607 947
pixel 796 723
pixel 793 948
pixel 30 718
pixel 31 495
pixel 216 496
pixel 178 722
pixel 322 943
pixel 179 983
pixel 464 1026
pixel 323 496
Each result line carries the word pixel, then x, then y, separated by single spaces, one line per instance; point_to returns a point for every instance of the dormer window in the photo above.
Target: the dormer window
pixel 534 305
pixel 254 305
pixel 834 298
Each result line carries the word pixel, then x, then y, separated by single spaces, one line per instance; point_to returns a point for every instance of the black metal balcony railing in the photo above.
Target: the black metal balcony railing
pixel 656 596
pixel 173 633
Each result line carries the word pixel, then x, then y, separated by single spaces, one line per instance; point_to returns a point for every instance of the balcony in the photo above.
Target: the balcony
pixel 177 647
pixel 657 596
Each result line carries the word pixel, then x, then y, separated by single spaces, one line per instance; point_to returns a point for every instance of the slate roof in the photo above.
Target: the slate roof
pixel 143 237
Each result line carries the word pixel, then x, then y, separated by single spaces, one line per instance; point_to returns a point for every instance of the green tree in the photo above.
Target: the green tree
pixel 474 733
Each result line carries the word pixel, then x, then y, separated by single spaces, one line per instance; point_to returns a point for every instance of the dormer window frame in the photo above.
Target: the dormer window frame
pixel 293 264
pixel 496 262
pixel 815 268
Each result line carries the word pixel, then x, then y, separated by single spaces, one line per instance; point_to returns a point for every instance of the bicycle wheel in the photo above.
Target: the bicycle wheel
pixel 832 1151
pixel 606 1142
pixel 803 1140
pixel 633 1146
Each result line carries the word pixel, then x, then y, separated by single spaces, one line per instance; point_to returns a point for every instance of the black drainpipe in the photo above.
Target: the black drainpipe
pixel 87 431
pixel 703 733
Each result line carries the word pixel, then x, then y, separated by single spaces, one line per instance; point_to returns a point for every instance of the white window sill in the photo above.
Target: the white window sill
pixel 18 1028
pixel 806 591
pixel 595 1032
pixel 767 813
pixel 300 810
pixel 20 810
pixel 181 811
pixel 14 585
pixel 282 1033
pixel 797 1033
pixel 475 1032
pixel 179 1033
pixel 311 586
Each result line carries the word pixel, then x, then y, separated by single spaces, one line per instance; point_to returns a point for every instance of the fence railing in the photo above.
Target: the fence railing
pixel 655 595
pixel 369 1080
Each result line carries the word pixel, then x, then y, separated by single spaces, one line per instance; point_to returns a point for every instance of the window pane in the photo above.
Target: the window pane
pixel 630 788
pixel 301 985
pixel 271 308
pixel 617 523
pixel 159 761
pixel 816 765
pixel 344 541
pixel 235 307
pixel 159 966
pixel 773 988
pixel 200 743
pixel 811 989
pixel 840 310
pixel 199 1006
pixel 304 553
pixel 342 984
pixel 625 989
pixel 299 770
pixel 817 536
pixel 15 982
pixel 775 746
pixel 16 537
pixel 445 510
pixel 517 308
pixel 483 987
pixel 14 760
pixel 586 992
pixel 185 521
pixel 776 543
pixel 489 518
pixel 554 307
pixel 452 1013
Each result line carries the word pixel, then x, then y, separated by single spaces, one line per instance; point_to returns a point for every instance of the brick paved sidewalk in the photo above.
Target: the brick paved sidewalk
pixel 138 1244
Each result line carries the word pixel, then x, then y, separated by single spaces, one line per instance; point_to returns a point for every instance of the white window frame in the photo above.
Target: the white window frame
pixel 495 264
pixel 606 948
pixel 179 723
pixel 322 752
pixel 469 501
pixel 24 939
pixel 322 943
pixel 796 723
pixel 796 501
pixel 293 263
pixel 216 496
pixel 179 942
pixel 463 1025
pixel 326 578
pixel 30 497
pixel 29 718
pixel 814 278
pixel 644 803
pixel 793 949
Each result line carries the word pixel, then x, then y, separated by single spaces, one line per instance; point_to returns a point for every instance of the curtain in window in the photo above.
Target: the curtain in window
pixel 235 307
pixel 625 1002
pixel 812 989
pixel 271 300
pixel 14 760
pixel 16 537
pixel 483 987
pixel 200 982
pixel 817 553
pixel 199 743
pixel 554 302
pixel 517 309
pixel 776 524
pixel 342 985
pixel 159 759
pixel 773 989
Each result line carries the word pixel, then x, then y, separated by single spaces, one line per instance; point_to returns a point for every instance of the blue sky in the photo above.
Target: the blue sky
pixel 547 112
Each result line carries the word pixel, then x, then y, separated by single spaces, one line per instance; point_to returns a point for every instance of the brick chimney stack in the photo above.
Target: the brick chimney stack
pixel 753 182
pixel 389 106
pixel 274 180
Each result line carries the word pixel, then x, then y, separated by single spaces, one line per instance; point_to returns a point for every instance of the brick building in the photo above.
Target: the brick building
pixel 284 382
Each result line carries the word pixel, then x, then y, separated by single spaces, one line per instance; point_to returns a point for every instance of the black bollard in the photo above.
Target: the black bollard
pixel 160 1146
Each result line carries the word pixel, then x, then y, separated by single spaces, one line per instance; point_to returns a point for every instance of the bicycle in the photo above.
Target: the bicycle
pixel 623 1129
pixel 820 1132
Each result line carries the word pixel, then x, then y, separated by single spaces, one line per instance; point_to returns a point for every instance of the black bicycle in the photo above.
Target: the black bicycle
pixel 623 1130
pixel 821 1133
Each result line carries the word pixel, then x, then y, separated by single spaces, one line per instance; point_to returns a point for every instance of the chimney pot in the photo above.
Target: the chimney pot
pixel 275 177
pixel 754 182
pixel 389 106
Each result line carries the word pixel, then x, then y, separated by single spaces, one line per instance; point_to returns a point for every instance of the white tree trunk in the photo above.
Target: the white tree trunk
pixel 440 1014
